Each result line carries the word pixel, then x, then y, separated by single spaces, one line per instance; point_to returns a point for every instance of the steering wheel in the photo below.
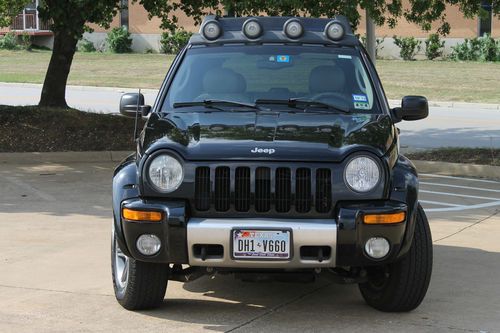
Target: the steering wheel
pixel 340 99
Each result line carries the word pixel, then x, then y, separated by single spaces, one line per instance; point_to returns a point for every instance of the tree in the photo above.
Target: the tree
pixel 9 9
pixel 70 18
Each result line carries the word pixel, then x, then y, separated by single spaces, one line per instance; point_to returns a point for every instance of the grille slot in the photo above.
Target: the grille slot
pixel 323 190
pixel 303 190
pixel 222 189
pixel 262 189
pixel 242 189
pixel 271 190
pixel 283 190
pixel 202 189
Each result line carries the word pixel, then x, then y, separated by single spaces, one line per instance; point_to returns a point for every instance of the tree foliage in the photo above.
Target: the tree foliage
pixel 9 9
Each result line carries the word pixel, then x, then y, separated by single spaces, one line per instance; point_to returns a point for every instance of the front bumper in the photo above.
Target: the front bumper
pixel 342 236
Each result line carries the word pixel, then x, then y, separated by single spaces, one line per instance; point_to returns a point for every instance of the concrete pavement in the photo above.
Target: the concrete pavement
pixel 448 125
pixel 55 221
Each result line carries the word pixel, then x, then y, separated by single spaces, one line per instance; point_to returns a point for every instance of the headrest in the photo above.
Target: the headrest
pixel 223 80
pixel 326 79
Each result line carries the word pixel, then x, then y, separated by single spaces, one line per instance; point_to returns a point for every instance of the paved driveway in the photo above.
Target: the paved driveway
pixel 55 268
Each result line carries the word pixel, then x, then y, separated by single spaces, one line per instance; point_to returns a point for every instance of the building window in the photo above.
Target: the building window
pixel 485 18
pixel 124 13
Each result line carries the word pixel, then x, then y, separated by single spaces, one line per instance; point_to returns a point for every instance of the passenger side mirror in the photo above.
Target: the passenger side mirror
pixel 412 108
pixel 131 102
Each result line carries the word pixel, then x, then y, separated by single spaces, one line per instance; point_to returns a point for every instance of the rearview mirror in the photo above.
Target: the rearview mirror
pixel 130 103
pixel 412 108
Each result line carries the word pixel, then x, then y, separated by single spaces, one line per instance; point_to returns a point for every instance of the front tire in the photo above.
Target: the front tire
pixel 401 286
pixel 138 285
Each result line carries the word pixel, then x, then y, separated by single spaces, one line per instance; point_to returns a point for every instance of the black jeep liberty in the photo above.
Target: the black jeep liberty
pixel 271 153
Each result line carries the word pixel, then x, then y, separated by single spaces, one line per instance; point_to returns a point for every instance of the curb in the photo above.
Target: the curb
pixel 64 157
pixel 458 169
pixel 443 168
pixel 456 105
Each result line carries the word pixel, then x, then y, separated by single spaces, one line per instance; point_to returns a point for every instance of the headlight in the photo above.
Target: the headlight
pixel 165 173
pixel 362 174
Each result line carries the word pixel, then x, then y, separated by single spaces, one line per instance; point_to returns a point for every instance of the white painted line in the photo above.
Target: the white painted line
pixel 29 188
pixel 459 178
pixel 440 203
pixel 460 186
pixel 450 209
pixel 459 195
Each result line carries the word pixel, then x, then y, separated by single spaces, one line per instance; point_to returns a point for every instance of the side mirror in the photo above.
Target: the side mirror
pixel 129 103
pixel 412 108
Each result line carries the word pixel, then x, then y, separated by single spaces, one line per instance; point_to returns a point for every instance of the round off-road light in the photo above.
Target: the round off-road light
pixel 293 28
pixel 362 174
pixel 334 30
pixel 165 173
pixel 252 28
pixel 211 30
pixel 148 244
pixel 377 247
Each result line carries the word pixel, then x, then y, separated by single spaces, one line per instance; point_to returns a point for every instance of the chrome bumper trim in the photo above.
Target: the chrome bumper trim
pixel 310 232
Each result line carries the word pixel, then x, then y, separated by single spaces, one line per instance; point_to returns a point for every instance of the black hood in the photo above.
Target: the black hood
pixel 286 136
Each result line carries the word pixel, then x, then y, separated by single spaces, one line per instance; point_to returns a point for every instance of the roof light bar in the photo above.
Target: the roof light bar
pixel 293 28
pixel 252 28
pixel 334 30
pixel 211 30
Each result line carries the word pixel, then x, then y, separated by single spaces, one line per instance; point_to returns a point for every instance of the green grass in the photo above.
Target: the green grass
pixel 437 80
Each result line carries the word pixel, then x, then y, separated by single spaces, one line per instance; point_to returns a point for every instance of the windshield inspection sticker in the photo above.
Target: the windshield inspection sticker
pixel 344 56
pixel 283 58
pixel 359 98
pixel 361 106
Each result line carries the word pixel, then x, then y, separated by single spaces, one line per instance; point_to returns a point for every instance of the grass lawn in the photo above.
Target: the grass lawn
pixel 437 80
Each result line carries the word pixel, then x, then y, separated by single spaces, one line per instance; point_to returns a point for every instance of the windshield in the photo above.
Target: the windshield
pixel 262 74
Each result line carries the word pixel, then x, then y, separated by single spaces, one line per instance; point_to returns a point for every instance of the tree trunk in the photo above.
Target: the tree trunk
pixel 54 86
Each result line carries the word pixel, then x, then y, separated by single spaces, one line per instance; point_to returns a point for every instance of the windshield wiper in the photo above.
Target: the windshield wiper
pixel 214 103
pixel 298 102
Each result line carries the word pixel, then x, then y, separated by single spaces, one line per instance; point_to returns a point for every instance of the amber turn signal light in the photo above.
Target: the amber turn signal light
pixel 384 218
pixel 141 215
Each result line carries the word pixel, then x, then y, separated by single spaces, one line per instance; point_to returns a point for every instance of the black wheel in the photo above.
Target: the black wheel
pixel 138 285
pixel 402 286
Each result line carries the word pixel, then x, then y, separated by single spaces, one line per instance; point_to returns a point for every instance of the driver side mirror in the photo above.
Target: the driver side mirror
pixel 131 103
pixel 412 108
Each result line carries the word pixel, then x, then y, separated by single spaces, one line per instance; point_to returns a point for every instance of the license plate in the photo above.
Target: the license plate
pixel 261 244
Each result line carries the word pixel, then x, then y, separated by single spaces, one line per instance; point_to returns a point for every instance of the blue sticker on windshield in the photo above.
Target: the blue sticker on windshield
pixel 283 58
pixel 359 98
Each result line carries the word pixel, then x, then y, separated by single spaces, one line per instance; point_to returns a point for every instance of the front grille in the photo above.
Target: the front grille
pixel 263 190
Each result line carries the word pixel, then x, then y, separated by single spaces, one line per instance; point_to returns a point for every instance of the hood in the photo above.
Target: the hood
pixel 210 136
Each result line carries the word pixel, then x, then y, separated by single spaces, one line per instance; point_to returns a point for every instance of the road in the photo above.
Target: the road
pixel 55 274
pixel 445 127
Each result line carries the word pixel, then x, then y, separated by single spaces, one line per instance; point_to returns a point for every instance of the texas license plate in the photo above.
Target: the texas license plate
pixel 257 244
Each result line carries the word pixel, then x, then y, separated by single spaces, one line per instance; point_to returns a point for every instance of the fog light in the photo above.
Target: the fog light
pixel 293 28
pixel 377 247
pixel 334 30
pixel 211 30
pixel 148 244
pixel 252 28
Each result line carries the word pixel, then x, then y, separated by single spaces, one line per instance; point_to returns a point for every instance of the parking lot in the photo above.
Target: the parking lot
pixel 55 222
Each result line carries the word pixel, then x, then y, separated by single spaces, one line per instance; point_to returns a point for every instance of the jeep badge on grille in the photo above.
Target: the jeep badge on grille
pixel 257 150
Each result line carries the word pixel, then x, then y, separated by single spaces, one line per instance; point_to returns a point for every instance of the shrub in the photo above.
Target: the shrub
pixel 172 43
pixel 85 45
pixel 26 41
pixel 119 40
pixel 409 46
pixel 378 44
pixel 483 48
pixel 433 47
pixel 9 41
